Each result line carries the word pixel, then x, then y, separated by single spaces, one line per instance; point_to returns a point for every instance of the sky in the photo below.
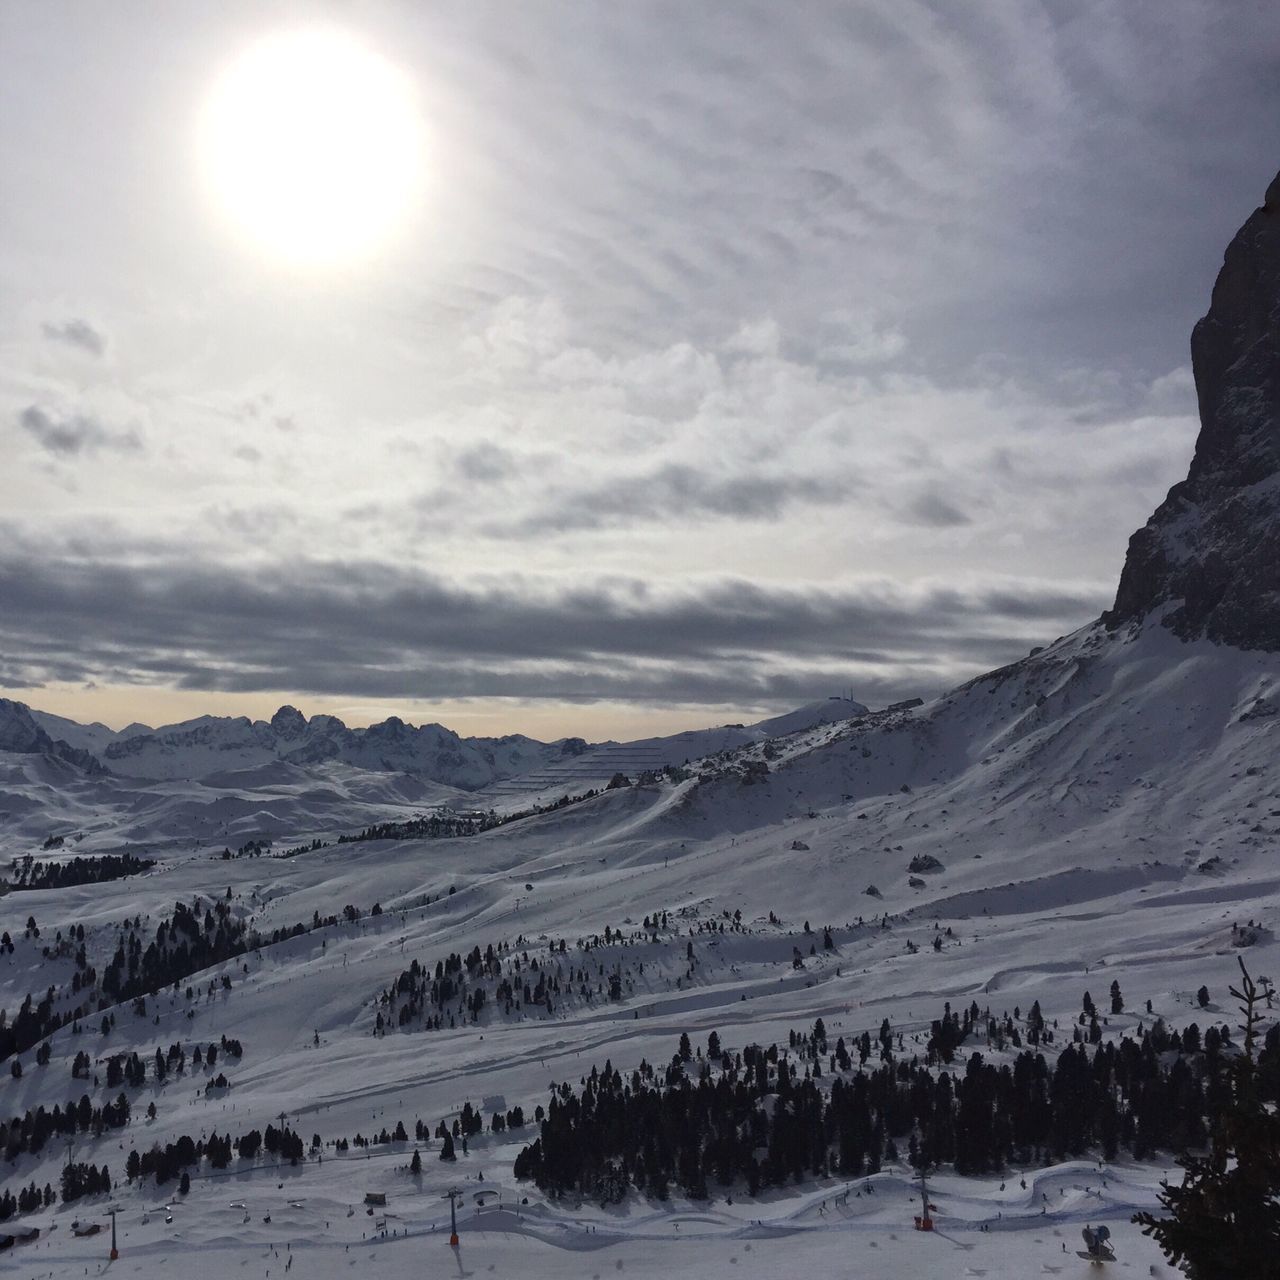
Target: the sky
pixel 709 359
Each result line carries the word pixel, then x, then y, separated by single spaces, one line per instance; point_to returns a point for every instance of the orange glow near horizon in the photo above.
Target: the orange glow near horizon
pixel 120 705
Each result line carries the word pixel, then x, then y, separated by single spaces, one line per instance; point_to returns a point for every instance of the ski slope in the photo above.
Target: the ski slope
pixel 1105 810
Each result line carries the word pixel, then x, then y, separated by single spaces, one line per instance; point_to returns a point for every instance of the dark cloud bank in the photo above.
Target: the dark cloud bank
pixel 374 631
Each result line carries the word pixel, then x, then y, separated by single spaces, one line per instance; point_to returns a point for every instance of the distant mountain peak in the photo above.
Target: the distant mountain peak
pixel 1209 557
pixel 21 733
pixel 289 722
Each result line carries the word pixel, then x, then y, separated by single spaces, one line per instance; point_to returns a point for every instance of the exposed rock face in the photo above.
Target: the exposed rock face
pixel 289 722
pixel 1212 548
pixel 20 733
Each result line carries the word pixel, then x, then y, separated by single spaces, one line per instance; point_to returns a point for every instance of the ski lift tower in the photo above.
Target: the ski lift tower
pixel 924 1222
pixel 115 1253
pixel 454 1196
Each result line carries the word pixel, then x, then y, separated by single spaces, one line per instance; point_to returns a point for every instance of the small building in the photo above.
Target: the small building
pixel 378 1199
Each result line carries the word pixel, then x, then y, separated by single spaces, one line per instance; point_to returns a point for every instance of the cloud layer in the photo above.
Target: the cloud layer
pixel 368 630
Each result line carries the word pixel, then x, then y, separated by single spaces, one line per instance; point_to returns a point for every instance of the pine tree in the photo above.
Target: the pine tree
pixel 1117 1000
pixel 446 1151
pixel 1223 1219
pixel 415 1165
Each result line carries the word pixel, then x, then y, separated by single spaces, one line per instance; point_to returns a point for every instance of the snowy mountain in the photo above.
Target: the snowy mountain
pixel 1100 817
pixel 21 733
pixel 214 744
pixel 209 745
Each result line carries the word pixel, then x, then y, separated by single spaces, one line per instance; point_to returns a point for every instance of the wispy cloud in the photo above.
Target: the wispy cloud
pixel 76 332
pixel 70 435
pixel 674 494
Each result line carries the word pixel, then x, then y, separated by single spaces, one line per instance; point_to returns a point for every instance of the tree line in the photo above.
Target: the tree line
pixel 27 873
pixel 760 1118
pixel 27 1134
pixel 449 826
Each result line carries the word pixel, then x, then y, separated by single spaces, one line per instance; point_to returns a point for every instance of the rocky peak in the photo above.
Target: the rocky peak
pixel 289 722
pixel 20 733
pixel 1210 554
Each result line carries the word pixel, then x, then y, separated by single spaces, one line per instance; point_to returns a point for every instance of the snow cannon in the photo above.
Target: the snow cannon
pixel 1097 1245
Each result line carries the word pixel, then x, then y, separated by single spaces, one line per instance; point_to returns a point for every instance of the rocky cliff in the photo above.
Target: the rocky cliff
pixel 20 733
pixel 1209 558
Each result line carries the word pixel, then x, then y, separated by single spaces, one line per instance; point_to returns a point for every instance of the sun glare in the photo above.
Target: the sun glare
pixel 312 146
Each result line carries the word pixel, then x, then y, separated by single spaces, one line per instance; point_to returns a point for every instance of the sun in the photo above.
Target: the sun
pixel 312 144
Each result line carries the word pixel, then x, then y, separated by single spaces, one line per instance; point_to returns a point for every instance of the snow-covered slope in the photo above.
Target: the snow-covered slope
pixel 595 766
pixel 44 797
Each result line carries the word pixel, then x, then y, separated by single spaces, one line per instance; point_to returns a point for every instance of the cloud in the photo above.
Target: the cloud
pixel 364 629
pixel 485 463
pixel 854 339
pixel 673 493
pixel 78 333
pixel 895 290
pixel 755 338
pixel 70 435
pixel 934 511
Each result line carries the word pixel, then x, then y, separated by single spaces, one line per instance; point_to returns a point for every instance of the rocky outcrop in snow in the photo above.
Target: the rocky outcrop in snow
pixel 1209 557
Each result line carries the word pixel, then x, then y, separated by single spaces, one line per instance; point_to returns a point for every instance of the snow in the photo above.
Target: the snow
pixel 790 1236
pixel 1071 800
